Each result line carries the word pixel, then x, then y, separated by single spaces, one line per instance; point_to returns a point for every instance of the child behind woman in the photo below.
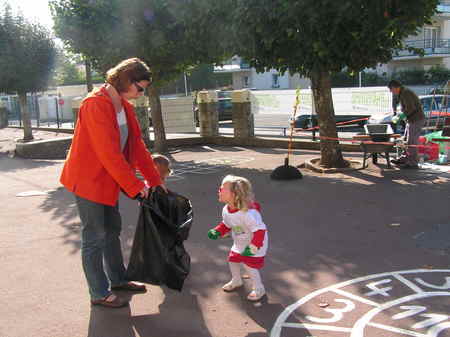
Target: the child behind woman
pixel 162 164
pixel 241 215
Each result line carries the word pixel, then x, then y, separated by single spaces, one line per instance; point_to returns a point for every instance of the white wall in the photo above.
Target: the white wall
pixel 177 114
pixel 354 101
pixel 264 81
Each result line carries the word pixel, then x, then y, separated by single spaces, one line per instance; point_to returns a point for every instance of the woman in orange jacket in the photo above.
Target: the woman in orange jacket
pixel 106 150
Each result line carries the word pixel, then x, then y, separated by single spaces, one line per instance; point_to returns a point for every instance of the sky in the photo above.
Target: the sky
pixel 33 9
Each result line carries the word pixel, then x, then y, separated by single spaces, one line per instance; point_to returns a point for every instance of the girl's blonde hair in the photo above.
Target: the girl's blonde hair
pixel 242 189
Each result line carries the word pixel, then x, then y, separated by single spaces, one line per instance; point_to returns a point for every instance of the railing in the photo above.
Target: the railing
pixel 444 6
pixel 429 46
pixel 229 66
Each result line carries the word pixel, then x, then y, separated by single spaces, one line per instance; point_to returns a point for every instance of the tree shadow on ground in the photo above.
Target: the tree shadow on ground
pixel 10 165
pixel 320 225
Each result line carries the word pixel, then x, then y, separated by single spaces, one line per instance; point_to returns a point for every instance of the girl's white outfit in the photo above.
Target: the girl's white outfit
pixel 247 228
pixel 243 224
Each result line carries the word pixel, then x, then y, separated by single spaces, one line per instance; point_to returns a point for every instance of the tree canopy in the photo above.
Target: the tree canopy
pixel 327 35
pixel 27 54
pixel 319 38
pixel 171 36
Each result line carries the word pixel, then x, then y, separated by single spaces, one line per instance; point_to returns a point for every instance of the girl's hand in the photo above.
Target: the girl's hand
pixel 213 234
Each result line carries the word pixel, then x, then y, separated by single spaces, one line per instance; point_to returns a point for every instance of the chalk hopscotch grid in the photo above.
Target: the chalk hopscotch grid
pixel 356 331
pixel 207 166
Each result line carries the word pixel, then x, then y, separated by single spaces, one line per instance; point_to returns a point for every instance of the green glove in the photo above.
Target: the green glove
pixel 213 234
pixel 398 117
pixel 247 252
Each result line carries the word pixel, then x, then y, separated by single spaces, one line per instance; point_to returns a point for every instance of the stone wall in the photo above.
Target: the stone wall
pixel 3 116
pixel 243 119
pixel 208 115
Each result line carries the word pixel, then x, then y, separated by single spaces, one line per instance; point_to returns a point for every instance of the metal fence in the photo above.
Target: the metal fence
pixel 45 111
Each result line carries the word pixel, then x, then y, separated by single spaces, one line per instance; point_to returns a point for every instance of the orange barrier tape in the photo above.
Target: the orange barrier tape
pixel 357 140
pixel 372 142
pixel 340 123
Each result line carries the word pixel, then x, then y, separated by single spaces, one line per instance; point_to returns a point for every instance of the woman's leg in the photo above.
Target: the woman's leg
pixel 93 235
pixel 113 251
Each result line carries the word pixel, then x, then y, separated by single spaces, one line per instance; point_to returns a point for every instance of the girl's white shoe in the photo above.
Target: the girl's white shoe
pixel 230 286
pixel 256 294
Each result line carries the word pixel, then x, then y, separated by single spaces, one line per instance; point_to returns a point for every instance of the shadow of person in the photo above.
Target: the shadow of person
pixel 179 315
pixel 107 322
pixel 265 314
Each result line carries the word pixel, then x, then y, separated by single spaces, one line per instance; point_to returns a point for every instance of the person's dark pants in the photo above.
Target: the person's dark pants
pixel 101 251
pixel 413 130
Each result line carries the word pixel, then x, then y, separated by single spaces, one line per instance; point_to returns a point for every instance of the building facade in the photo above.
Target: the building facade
pixel 435 41
pixel 245 77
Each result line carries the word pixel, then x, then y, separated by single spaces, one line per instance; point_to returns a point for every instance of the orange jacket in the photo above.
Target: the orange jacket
pixel 96 168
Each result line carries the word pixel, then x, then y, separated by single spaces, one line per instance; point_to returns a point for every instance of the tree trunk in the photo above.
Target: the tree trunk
pixel 331 155
pixel 87 65
pixel 142 116
pixel 27 133
pixel 157 121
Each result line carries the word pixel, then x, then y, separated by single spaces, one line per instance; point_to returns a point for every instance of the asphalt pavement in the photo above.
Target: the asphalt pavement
pixel 346 256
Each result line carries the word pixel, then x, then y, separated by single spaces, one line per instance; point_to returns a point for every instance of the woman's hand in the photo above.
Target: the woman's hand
pixel 144 192
pixel 162 186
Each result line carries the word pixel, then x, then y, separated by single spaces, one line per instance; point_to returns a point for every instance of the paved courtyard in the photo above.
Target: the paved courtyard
pixel 351 254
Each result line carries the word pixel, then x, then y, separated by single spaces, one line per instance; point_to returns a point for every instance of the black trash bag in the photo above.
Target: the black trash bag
pixel 158 255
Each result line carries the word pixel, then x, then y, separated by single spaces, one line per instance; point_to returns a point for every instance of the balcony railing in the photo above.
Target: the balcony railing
pixel 430 47
pixel 444 6
pixel 233 67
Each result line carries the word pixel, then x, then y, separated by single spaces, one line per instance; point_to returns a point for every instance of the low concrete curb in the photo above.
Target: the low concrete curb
pixel 44 149
pixel 57 148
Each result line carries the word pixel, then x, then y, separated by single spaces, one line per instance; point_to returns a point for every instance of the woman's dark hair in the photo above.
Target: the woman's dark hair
pixel 127 72
pixel 394 84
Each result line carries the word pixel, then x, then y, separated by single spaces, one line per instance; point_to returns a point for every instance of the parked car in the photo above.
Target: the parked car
pixel 224 107
pixel 434 106
pixel 308 121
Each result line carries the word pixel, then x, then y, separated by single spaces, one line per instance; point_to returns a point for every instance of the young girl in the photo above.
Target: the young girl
pixel 241 215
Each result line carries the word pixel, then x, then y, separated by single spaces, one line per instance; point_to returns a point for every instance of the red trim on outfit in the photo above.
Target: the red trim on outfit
pixel 258 238
pixel 256 205
pixel 222 229
pixel 255 262
pixel 231 209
